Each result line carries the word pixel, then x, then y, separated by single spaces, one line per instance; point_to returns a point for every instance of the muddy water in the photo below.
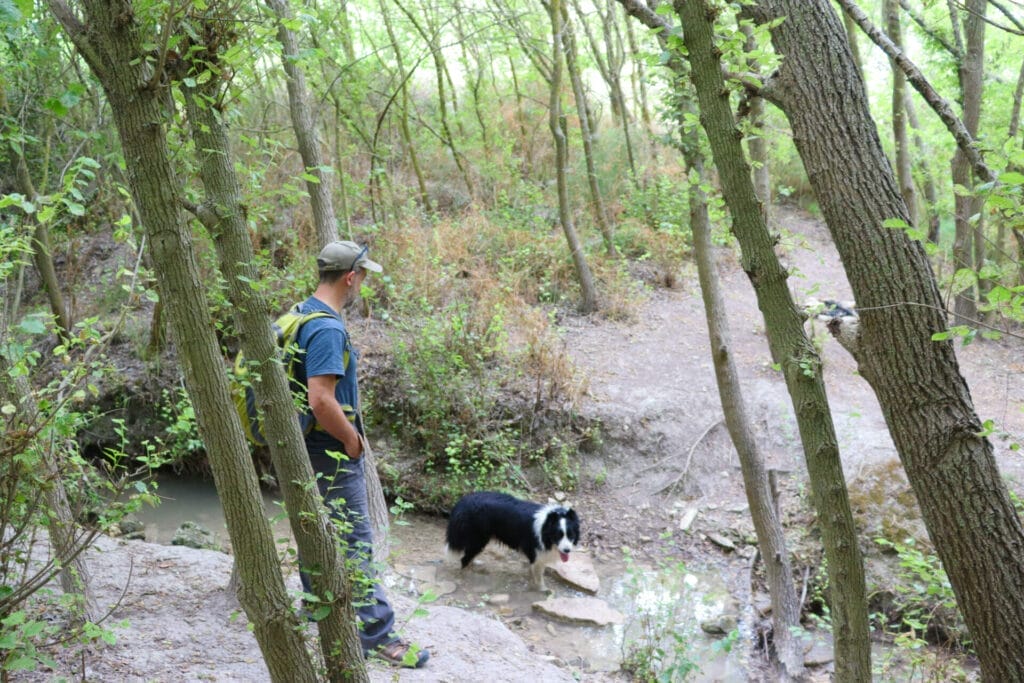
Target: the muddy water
pixel 655 603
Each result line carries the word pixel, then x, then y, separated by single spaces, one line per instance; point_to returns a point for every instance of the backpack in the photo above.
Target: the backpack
pixel 286 331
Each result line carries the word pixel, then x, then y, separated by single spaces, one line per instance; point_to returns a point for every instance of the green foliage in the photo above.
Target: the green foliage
pixel 450 407
pixel 924 604
pixel 657 646
pixel 182 432
pixel 38 453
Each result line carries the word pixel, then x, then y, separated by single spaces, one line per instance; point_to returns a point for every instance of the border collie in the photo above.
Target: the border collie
pixel 538 531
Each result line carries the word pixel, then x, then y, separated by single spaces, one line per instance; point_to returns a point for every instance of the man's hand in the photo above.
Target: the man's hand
pixel 329 414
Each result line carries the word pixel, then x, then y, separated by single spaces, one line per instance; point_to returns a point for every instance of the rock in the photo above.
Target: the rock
pixel 722 541
pixel 688 517
pixel 440 588
pixel 763 604
pixel 720 625
pixel 578 572
pixel 580 610
pixel 819 653
pixel 499 599
pixel 131 528
pixel 193 535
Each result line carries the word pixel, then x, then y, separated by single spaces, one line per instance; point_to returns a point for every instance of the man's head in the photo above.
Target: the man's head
pixel 344 264
pixel 344 256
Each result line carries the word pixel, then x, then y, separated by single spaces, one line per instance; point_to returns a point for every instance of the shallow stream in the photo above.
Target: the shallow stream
pixel 663 606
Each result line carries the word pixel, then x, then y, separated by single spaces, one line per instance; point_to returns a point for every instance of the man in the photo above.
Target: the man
pixel 326 365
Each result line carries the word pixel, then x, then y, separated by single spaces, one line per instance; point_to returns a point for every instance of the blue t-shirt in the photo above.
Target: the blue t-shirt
pixel 321 351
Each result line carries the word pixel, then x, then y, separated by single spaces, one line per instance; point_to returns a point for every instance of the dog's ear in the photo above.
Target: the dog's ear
pixel 571 514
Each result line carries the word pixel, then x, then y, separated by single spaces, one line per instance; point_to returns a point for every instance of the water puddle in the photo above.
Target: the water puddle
pixel 663 607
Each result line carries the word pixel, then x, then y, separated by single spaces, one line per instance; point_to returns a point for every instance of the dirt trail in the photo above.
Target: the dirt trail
pixel 664 449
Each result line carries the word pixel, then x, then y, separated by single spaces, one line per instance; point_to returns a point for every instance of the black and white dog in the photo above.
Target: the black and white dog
pixel 538 531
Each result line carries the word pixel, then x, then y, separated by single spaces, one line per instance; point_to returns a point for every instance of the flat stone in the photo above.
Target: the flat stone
pixel 720 625
pixel 580 610
pixel 820 654
pixel 688 517
pixel 439 588
pixel 499 599
pixel 578 572
pixel 722 541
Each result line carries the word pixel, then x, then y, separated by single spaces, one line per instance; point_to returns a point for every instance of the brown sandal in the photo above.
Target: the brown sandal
pixel 402 653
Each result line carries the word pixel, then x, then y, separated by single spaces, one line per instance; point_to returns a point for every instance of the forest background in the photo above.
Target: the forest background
pixel 510 165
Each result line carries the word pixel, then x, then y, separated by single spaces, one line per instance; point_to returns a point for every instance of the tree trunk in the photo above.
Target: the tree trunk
pixel 556 122
pixel 441 70
pixel 901 140
pixel 790 347
pixel 403 78
pixel 113 46
pixel 585 132
pixel 926 402
pixel 305 129
pixel 770 535
pixel 224 216
pixel 969 245
pixel 757 146
pixel 851 35
pixel 66 537
pixel 924 156
pixel 42 254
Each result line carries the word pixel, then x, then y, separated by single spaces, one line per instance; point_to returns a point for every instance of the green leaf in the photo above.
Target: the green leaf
pixel 32 325
pixel 895 223
pixel 54 105
pixel 1011 178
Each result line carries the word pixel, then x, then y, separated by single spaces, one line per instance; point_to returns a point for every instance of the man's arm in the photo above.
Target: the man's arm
pixel 330 416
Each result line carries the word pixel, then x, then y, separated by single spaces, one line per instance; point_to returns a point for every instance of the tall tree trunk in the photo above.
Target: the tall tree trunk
pixel 790 347
pixel 851 35
pixel 969 245
pixel 42 254
pixel 113 46
pixel 901 140
pixel 757 146
pixel 66 537
pixel 326 224
pixel 320 184
pixel 924 156
pixel 403 114
pixel 556 122
pixel 640 84
pixel 583 112
pixel 926 403
pixel 440 69
pixel 224 216
pixel 770 535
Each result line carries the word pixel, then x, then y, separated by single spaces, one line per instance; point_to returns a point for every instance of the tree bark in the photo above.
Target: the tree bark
pixel 110 40
pixel 770 535
pixel 969 245
pixel 224 216
pixel 404 113
pixel 924 156
pixel 926 403
pixel 42 254
pixel 67 539
pixel 789 345
pixel 583 113
pixel 303 123
pixel 556 122
pixel 901 140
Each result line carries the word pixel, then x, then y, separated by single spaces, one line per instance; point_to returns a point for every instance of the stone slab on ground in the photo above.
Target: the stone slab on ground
pixel 580 610
pixel 579 572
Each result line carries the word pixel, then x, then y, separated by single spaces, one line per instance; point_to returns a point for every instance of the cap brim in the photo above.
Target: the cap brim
pixel 372 266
